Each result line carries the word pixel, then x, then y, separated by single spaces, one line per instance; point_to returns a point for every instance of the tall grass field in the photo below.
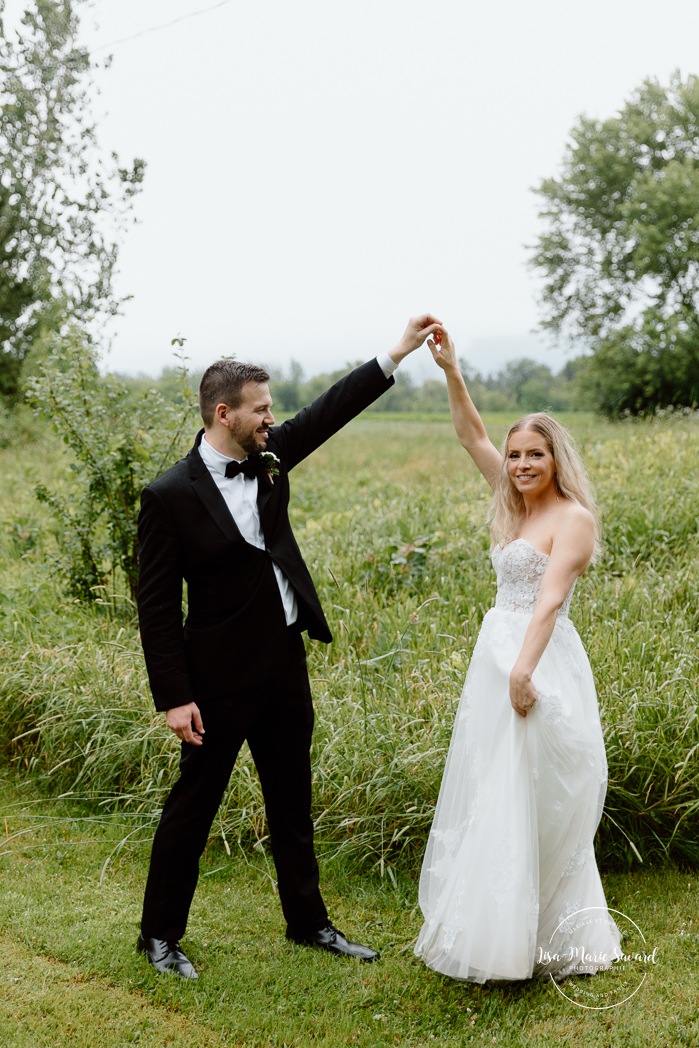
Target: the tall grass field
pixel 390 516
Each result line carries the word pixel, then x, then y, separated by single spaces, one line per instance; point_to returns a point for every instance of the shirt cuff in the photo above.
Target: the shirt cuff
pixel 386 363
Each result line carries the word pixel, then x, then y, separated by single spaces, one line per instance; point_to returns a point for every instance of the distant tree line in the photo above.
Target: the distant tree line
pixel 519 387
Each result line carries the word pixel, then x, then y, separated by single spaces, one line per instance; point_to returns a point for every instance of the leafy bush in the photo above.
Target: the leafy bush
pixel 120 442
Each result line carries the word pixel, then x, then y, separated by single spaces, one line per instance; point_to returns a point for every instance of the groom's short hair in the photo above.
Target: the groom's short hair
pixel 222 383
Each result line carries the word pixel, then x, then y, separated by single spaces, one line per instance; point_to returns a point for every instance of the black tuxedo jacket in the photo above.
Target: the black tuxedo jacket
pixel 235 623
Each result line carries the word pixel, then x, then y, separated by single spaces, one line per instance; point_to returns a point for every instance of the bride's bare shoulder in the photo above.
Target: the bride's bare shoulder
pixel 572 514
pixel 574 533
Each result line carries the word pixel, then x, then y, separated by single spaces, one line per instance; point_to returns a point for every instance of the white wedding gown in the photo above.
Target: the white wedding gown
pixel 509 886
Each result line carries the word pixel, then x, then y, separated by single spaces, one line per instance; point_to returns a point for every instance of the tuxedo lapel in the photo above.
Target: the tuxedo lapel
pixel 206 490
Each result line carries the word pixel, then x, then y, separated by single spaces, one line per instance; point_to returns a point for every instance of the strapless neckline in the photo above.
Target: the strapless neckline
pixel 528 543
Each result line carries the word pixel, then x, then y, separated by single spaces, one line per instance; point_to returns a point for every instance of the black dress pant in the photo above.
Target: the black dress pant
pixel 276 719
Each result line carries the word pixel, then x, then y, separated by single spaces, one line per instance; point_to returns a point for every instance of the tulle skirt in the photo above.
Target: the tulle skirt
pixel 509 887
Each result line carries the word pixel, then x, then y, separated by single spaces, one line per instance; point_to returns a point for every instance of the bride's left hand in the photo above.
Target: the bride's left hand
pixel 443 350
pixel 523 693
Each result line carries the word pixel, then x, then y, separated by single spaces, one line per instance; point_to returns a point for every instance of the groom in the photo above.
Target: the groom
pixel 235 670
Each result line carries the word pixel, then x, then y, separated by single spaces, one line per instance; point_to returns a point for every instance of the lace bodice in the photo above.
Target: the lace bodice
pixel 520 567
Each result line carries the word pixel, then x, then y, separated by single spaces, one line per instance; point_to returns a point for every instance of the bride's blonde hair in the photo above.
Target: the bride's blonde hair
pixel 507 507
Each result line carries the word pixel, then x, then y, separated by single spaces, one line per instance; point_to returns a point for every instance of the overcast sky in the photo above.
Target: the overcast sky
pixel 320 170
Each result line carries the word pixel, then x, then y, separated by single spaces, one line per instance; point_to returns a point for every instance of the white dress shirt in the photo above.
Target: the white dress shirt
pixel 240 496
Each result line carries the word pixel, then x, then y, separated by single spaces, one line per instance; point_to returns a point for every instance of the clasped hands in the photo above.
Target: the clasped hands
pixel 440 344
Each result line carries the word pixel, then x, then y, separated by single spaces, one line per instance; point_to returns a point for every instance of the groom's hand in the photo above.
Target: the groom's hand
pixel 418 329
pixel 186 723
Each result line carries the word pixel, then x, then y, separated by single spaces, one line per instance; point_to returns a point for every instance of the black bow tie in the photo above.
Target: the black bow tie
pixel 248 467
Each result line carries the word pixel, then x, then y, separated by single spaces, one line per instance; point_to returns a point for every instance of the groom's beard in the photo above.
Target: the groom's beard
pixel 251 442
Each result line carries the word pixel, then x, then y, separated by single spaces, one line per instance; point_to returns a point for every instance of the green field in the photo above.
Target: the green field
pixel 390 515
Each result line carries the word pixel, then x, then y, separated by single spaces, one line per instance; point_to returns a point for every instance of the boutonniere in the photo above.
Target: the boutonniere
pixel 270 464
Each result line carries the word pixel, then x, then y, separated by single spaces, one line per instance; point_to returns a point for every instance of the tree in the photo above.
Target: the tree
pixel 527 382
pixel 62 206
pixel 620 255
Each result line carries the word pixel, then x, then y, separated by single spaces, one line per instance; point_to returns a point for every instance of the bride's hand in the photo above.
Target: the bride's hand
pixel 523 693
pixel 442 350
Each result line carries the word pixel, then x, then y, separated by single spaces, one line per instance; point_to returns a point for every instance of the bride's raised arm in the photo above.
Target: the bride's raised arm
pixel 467 422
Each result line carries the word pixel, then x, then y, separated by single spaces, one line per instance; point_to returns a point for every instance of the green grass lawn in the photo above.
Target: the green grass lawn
pixel 69 909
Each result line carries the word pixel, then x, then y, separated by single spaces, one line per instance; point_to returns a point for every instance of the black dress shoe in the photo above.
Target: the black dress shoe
pixel 332 940
pixel 166 956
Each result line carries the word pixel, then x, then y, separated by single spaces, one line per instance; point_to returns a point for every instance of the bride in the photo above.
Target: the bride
pixel 509 886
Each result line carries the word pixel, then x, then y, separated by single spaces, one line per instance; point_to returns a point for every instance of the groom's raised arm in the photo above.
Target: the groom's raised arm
pixel 348 397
